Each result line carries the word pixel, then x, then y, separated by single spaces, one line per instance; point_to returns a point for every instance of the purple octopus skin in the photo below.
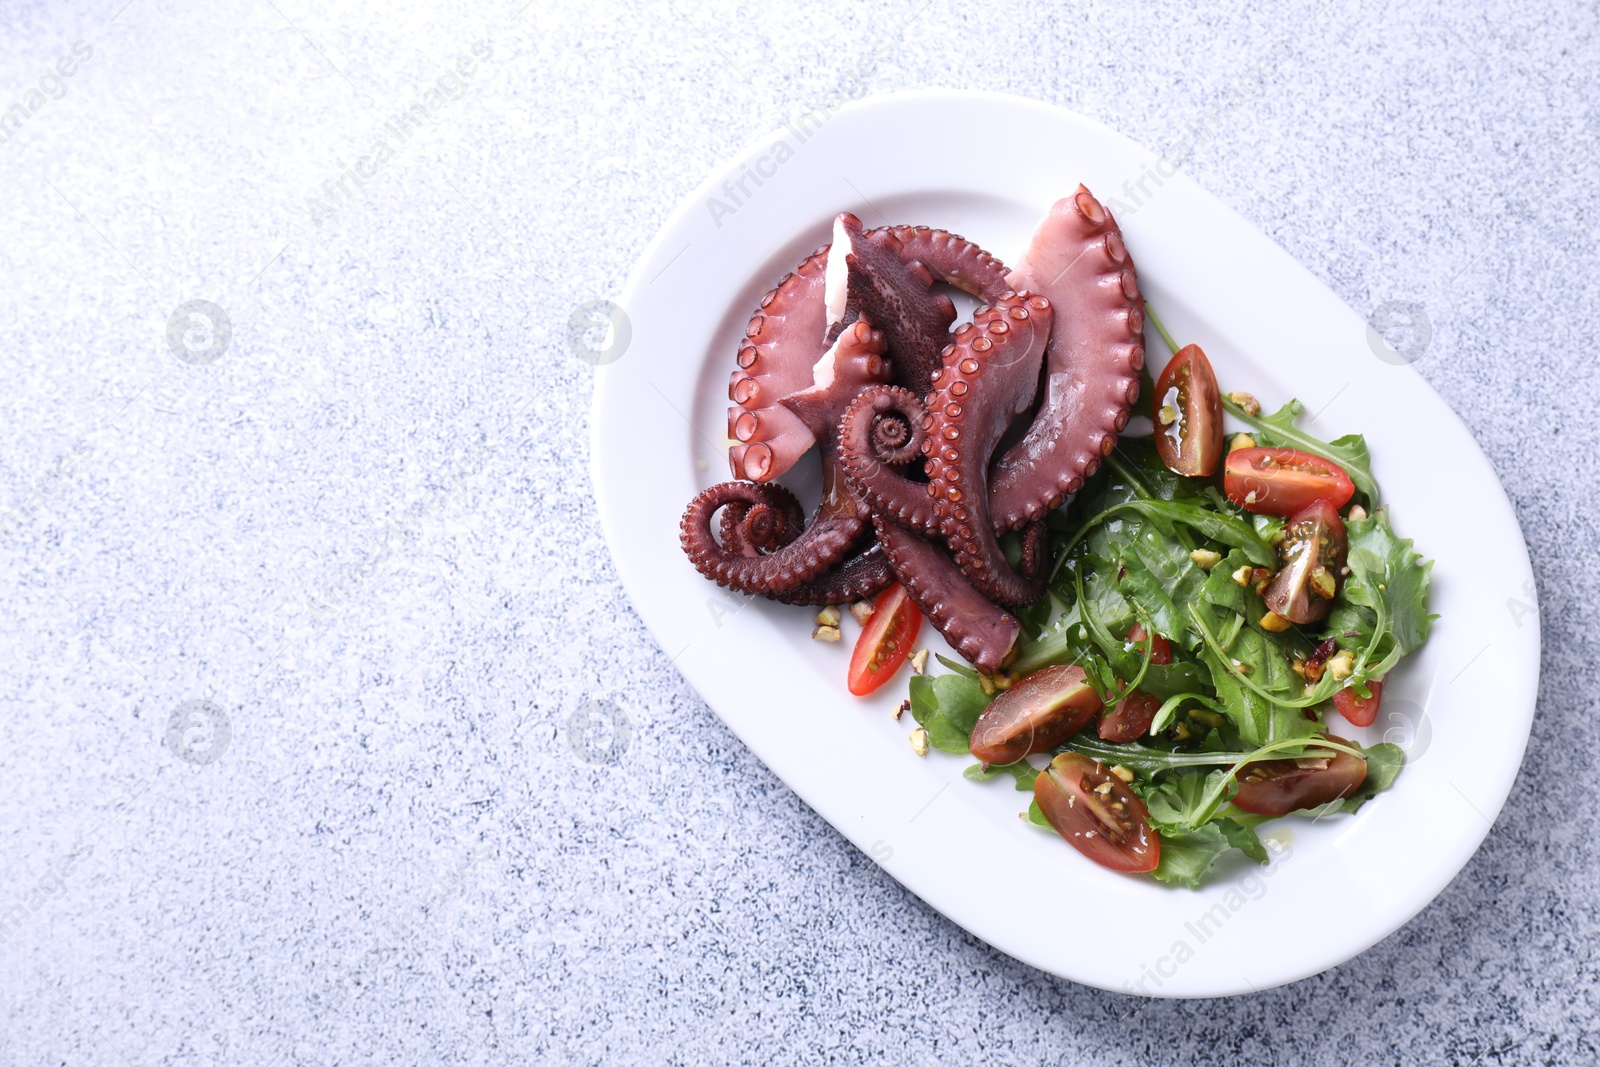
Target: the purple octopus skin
pixel 1078 262
pixel 955 400
pixel 988 376
pixel 791 329
pixel 888 279
pixel 975 627
pixel 787 400
pixel 769 555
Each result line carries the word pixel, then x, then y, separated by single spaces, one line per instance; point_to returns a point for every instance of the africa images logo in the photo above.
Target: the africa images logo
pixel 52 86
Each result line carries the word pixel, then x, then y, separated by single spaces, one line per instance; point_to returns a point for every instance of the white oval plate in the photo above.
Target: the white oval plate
pixel 1462 706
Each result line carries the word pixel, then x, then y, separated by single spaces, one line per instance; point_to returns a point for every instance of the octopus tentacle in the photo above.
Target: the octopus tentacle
pixel 861 575
pixel 814 550
pixel 886 492
pixel 976 628
pixel 990 374
pixel 781 345
pixel 1076 259
pixel 954 260
pixel 751 529
pixel 873 279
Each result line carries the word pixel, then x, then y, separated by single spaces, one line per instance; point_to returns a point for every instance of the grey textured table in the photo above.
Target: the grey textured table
pixel 297 616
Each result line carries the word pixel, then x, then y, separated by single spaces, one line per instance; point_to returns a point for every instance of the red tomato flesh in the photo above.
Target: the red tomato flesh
pixel 1160 648
pixel 1129 719
pixel 885 641
pixel 1187 409
pixel 1039 712
pixel 1097 813
pixel 1282 481
pixel 1279 786
pixel 1360 711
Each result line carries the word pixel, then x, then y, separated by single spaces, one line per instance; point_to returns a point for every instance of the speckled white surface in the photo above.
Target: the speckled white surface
pixel 364 533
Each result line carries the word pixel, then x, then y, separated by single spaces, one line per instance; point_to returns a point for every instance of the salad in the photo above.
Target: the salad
pixel 1218 607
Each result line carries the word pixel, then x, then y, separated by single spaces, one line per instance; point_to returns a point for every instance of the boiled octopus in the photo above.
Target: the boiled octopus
pixel 935 443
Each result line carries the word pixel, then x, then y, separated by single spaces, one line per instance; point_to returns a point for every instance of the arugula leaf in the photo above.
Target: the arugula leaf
pixel 1189 799
pixel 1243 837
pixel 1278 430
pixel 1187 856
pixel 1022 771
pixel 1387 566
pixel 948 707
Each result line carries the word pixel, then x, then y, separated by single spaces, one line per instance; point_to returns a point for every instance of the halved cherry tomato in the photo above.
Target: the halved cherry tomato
pixel 1188 414
pixel 1097 813
pixel 885 641
pixel 1129 718
pixel 1039 712
pixel 1360 711
pixel 1309 561
pixel 1282 481
pixel 1160 648
pixel 1279 786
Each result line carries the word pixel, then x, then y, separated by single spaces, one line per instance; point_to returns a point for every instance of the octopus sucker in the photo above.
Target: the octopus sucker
pixel 852 357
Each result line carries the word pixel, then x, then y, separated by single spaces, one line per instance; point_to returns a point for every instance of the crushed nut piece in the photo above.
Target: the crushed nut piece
pixel 829 634
pixel 1323 584
pixel 1242 575
pixel 905 706
pixel 919 661
pixel 1205 715
pixel 1357 513
pixel 919 741
pixel 1243 668
pixel 1122 772
pixel 1205 559
pixel 862 611
pixel 1103 788
pixel 1241 440
pixel 1003 680
pixel 828 616
pixel 987 683
pixel 1167 415
pixel 1343 664
pixel 1272 622
pixel 1251 405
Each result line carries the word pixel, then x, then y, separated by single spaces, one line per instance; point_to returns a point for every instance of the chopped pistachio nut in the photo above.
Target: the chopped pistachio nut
pixel 1357 513
pixel 1122 772
pixel 1243 668
pixel 1205 559
pixel 1299 667
pixel 829 634
pixel 1342 664
pixel 1323 584
pixel 1274 623
pixel 919 660
pixel 919 741
pixel 828 616
pixel 1103 788
pixel 987 683
pixel 1241 440
pixel 1242 575
pixel 1167 415
pixel 1003 680
pixel 1180 732
pixel 862 611
pixel 1010 657
pixel 1207 716
pixel 1251 405
pixel 905 706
